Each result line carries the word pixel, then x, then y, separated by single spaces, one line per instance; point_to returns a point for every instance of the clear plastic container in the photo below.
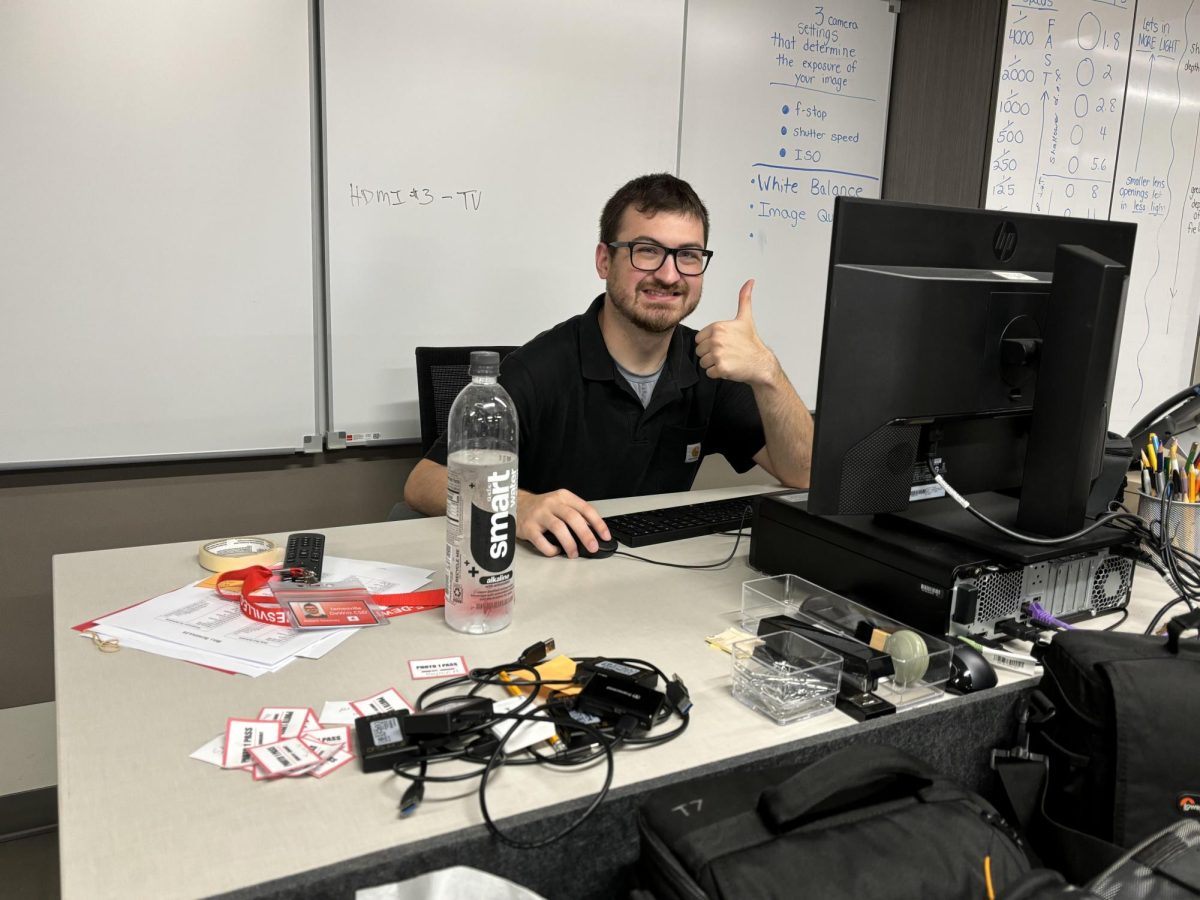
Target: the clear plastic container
pixel 785 676
pixel 917 666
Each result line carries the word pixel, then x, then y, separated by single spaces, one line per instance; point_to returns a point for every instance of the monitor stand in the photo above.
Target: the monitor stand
pixel 945 518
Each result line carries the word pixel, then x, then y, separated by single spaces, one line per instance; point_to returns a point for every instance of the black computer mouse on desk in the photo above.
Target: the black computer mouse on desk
pixel 604 549
pixel 969 670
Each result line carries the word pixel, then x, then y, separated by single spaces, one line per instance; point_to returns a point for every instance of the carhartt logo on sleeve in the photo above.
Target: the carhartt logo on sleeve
pixel 693 453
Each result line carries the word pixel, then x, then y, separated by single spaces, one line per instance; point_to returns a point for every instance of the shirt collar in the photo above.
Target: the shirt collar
pixel 598 362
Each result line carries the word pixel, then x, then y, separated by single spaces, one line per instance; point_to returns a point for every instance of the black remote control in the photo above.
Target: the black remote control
pixel 305 550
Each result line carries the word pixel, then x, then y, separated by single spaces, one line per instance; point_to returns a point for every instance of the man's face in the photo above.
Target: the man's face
pixel 652 301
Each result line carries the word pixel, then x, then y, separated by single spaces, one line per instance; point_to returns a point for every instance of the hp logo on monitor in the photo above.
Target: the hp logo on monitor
pixel 1004 244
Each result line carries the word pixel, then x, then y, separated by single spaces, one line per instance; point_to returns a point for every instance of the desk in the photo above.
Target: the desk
pixel 139 818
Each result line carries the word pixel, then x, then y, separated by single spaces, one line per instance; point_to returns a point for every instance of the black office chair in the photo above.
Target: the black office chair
pixel 441 373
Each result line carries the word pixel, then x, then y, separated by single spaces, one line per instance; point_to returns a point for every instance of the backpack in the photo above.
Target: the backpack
pixel 1113 749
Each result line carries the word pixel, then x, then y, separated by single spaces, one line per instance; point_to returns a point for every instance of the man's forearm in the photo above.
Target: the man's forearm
pixel 425 490
pixel 788 427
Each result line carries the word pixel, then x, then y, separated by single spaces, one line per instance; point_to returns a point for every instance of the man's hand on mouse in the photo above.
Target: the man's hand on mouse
pixel 733 350
pixel 571 518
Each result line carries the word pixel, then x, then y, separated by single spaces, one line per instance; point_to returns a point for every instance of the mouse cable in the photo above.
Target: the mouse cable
pixel 741 532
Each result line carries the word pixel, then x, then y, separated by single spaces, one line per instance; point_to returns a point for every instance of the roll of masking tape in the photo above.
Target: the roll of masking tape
pixel 237 553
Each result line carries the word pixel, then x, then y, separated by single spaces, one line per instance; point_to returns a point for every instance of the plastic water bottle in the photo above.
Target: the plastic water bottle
pixel 481 502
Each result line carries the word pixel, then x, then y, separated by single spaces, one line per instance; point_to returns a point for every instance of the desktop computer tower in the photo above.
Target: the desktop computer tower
pixel 938 585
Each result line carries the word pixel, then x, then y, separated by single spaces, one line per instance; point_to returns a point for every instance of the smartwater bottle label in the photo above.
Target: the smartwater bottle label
pixel 481 539
pixel 493 527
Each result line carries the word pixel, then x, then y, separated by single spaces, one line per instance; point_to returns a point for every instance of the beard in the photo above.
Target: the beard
pixel 654 319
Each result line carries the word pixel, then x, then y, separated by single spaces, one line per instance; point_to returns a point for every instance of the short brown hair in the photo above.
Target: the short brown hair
pixel 650 194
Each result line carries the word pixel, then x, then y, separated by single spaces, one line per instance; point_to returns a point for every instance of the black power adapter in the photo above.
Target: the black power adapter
pixel 381 740
pixel 612 697
pixel 450 716
pixel 388 738
pixel 586 668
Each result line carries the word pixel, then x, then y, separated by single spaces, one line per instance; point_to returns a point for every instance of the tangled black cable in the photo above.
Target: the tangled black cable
pixel 1178 567
pixel 478 744
pixel 1153 545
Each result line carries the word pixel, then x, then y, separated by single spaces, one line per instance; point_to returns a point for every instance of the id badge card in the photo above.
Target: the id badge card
pixel 341 604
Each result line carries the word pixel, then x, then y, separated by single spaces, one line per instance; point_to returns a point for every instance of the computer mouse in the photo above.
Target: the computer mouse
pixel 604 549
pixel 969 670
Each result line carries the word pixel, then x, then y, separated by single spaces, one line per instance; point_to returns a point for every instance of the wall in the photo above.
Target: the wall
pixel 943 84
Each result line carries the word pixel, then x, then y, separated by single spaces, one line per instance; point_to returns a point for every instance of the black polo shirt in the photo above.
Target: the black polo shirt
pixel 583 428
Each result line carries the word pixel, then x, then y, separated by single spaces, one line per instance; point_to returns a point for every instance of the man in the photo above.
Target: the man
pixel 623 400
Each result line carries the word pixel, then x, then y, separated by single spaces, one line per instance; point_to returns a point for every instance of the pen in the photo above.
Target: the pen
pixel 1146 483
pixel 1153 457
pixel 1154 442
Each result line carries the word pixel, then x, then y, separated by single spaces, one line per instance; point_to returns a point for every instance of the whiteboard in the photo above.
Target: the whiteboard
pixel 470 146
pixel 785 106
pixel 1058 106
pixel 156 266
pixel 1120 81
pixel 1158 187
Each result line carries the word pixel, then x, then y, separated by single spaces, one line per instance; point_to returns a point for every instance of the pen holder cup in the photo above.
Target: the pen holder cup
pixel 785 676
pixel 1182 520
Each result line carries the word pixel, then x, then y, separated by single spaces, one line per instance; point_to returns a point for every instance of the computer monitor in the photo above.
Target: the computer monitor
pixel 982 341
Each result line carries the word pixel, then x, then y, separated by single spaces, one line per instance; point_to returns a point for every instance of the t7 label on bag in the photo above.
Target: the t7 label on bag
pixel 1188 804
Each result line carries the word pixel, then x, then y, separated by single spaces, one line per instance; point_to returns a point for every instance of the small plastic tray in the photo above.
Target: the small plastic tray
pixel 920 662
pixel 784 676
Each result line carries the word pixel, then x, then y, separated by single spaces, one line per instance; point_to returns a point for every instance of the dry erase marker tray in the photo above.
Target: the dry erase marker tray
pixel 904 666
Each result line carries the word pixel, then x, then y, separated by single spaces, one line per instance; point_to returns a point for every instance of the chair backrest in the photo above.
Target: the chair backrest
pixel 441 373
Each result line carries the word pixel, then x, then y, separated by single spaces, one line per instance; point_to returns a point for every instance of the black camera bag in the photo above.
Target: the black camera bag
pixel 1114 741
pixel 867 821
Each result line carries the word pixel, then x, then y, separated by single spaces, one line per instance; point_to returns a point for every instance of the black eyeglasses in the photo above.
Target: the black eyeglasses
pixel 648 257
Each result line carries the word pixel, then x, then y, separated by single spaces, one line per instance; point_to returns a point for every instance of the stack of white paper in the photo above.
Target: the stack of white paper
pixel 195 624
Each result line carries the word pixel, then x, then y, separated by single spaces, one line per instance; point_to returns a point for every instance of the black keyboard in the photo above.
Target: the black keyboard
pixel 674 523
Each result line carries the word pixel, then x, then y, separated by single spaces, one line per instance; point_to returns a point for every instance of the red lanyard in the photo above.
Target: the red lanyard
pixel 252 578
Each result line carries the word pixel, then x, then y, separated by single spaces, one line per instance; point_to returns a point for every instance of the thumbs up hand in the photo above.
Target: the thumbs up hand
pixel 733 350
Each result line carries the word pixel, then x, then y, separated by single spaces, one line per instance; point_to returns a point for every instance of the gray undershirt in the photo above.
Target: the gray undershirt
pixel 643 385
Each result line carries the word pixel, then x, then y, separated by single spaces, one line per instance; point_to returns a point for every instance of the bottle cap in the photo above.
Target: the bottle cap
pixel 485 362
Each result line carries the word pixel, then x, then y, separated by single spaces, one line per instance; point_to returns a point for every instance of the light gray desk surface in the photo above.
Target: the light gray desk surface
pixel 139 818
